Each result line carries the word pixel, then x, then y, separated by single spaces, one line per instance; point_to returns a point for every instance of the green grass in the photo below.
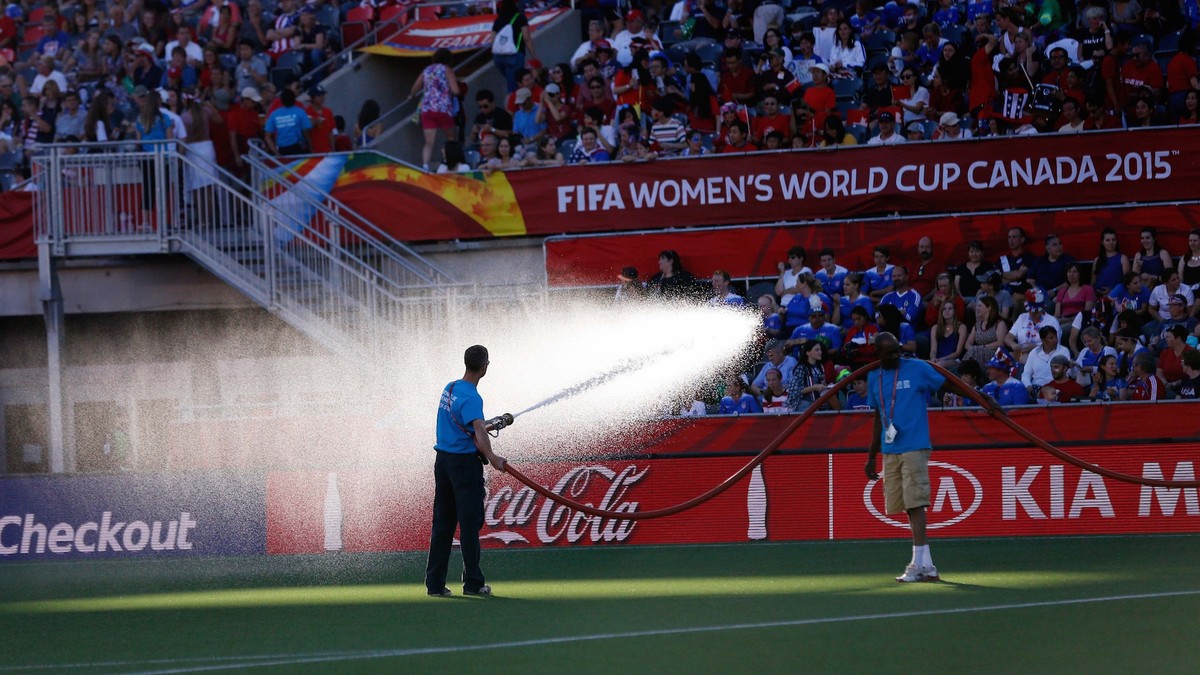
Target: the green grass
pixel 810 607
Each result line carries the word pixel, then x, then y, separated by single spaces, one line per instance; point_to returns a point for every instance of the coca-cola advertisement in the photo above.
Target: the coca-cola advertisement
pixel 993 492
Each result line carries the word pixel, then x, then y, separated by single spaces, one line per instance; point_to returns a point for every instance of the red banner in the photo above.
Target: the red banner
pixel 978 175
pixel 754 251
pixel 459 34
pixel 984 482
pixel 16 226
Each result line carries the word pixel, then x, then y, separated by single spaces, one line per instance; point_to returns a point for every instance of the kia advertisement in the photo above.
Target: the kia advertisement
pixel 135 515
pixel 1015 491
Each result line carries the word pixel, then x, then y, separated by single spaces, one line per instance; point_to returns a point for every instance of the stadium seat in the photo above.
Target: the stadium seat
pixel 328 16
pixel 353 31
pixel 669 32
pixel 395 15
pixel 33 33
pixel 291 60
pixel 677 52
pixel 428 13
pixel 847 89
pixel 35 15
pixel 710 54
pixel 1168 44
pixel 758 290
pixel 566 146
pixel 229 61
pixel 879 42
pixel 860 132
pixel 954 34
pixel 844 107
pixel 360 13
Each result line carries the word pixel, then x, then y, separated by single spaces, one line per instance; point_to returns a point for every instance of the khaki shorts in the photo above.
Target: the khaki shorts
pixel 906 481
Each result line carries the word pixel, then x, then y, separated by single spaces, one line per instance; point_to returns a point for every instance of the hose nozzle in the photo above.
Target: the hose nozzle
pixel 499 422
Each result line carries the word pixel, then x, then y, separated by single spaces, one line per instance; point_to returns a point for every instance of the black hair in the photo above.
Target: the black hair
pixel 797 251
pixel 287 96
pixel 476 358
pixel 673 256
pixel 442 55
pixel 485 95
pixel 1047 330
pixel 454 154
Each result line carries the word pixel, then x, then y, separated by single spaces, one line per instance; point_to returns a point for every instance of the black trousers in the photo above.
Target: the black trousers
pixel 457 502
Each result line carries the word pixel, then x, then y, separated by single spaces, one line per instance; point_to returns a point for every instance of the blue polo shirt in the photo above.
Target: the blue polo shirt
pixel 456 412
pixel 288 124
pixel 914 383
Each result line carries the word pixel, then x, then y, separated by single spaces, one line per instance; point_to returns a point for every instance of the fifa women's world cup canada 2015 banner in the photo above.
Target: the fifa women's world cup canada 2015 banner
pixel 984 482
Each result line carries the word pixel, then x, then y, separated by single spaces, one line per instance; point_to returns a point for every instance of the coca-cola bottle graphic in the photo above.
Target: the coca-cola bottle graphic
pixel 333 514
pixel 756 506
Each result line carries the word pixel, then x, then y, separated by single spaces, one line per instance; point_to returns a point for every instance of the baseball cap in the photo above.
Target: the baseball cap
pixel 252 94
pixel 603 44
pixel 634 15
pixel 729 106
pixel 523 94
pixel 552 88
pixel 887 117
pixel 146 48
pixel 733 33
pixel 915 128
pixel 1178 299
pixel 949 119
pixel 819 66
pixel 316 90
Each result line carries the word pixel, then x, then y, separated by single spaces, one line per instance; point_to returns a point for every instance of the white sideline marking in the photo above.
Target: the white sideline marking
pixel 237 662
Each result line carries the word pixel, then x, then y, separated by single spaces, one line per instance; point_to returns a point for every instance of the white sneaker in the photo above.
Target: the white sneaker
pixel 912 574
pixel 930 573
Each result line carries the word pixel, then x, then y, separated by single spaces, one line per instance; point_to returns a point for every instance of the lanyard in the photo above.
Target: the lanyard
pixel 895 382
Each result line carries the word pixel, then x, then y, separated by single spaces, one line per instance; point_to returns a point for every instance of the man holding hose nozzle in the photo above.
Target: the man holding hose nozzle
pixel 899 392
pixel 463 447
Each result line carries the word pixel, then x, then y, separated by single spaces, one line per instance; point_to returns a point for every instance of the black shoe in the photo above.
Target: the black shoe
pixel 482 590
pixel 444 593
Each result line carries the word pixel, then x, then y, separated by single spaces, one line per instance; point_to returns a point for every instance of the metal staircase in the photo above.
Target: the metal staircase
pixel 293 250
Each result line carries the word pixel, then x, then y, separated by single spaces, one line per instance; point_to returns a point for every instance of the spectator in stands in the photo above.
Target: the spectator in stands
pixel 1061 388
pixel 777 359
pixel 1151 260
pixel 774 395
pixel 631 147
pixel 891 320
pixel 992 285
pixel 1094 350
pixel 1128 343
pixel 1025 335
pixel 856 398
pixel 288 128
pixel 253 29
pixel 1175 314
pixel 99 126
pixel 819 96
pixel 721 292
pixel 525 120
pixel 971 374
pixel 804 59
pixel 847 56
pixel 817 328
pixel 46 72
pixel 930 51
pixel 858 348
pixel 250 72
pixel 311 38
pixel 595 93
pixel 948 338
pixel 152 124
pixel 1073 297
pixel 1014 265
pixel 989 333
pixel 851 297
pixel 69 123
pixel 321 138
pixel 555 109
pixel 737 82
pixel 1069 120
pixel 223 36
pixel 244 126
pixel 1189 387
pixel 672 280
pixel 949 127
pixel 1108 384
pixel 367 127
pixel 119 25
pixel 179 74
pixel 830 274
pixel 903 297
pixel 439 84
pixel 966 275
pixel 55 42
pixel 454 159
pixel 809 380
pixel 739 139
pixel 736 401
pixel 1037 364
pixel 771 119
pixel 804 124
pixel 488 154
pixel 903 54
pixel 1183 74
pixel 666 131
pixel 635 27
pixel 1141 70
pixel 878 91
pixel 193 52
pixel 772 321
pixel 1056 74
pixel 509 155
pixel 587 50
pixel 284 36
pixel 1145 115
pixel 525 80
pixel 1003 388
pixel 790 273
pixel 1144 382
pixel 695 145
pixel 982 89
pixel 943 292
pixel 491 119
pixel 1098 115
pixel 928 268
pixel 877 280
pixel 802 303
pixel 914 132
pixel 1170 359
pixel 1049 272
pixel 87 61
pixel 153 30
pixel 547 154
pixel 49 107
pixel 775 78
pixel 887 131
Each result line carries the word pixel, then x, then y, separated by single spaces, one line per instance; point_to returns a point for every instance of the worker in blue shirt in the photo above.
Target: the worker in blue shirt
pixel 462 445
pixel 288 127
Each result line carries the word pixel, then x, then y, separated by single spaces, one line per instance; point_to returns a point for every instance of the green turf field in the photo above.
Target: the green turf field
pixel 1120 604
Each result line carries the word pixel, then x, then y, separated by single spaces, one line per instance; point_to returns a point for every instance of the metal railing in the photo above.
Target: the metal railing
pixel 93 202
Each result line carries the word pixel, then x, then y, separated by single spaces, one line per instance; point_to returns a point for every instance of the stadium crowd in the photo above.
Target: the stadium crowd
pixel 703 77
pixel 1023 326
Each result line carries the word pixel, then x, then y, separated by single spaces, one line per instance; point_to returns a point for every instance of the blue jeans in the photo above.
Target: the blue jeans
pixel 508 65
